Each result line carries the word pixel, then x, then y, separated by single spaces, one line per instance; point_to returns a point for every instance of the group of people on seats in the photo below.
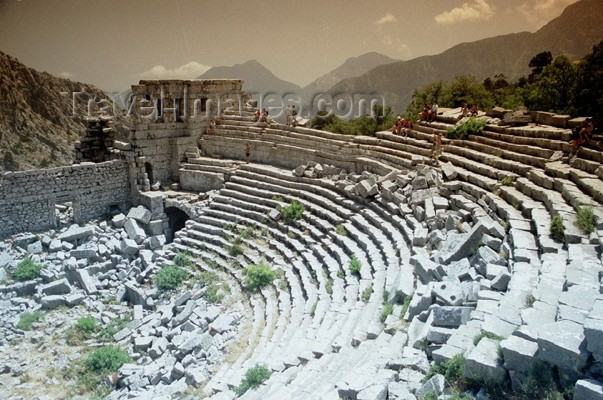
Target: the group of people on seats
pixel 401 126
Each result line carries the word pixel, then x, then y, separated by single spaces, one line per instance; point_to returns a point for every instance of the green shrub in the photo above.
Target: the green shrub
pixel 184 260
pixel 453 370
pixel 488 335
pixel 587 219
pixel 472 126
pixel 87 325
pixel 235 250
pixel 107 359
pixel 254 377
pixel 83 329
pixel 340 230
pixel 387 311
pixel 557 228
pixel 258 276
pixel 27 319
pixel 170 277
pixel 294 211
pixel 366 294
pixel 430 396
pixel 27 270
pixel 355 265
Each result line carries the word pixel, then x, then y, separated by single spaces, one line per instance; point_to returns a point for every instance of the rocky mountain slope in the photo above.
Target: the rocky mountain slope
pixel 36 127
pixel 573 33
pixel 257 78
pixel 352 67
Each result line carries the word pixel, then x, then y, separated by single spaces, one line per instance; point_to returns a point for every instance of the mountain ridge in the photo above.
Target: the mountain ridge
pixel 507 54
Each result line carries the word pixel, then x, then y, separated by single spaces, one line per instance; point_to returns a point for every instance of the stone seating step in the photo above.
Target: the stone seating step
pixel 481 144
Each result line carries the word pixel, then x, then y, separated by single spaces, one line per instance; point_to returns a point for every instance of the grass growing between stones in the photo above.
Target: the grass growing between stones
pixel 472 126
pixel 254 377
pixel 528 302
pixel 235 250
pixel 258 276
pixel 184 260
pixel 366 294
pixel 340 230
pixel 216 288
pixel 488 335
pixel 83 329
pixel 27 270
pixel 507 181
pixel 27 319
pixel 354 265
pixel 89 373
pixel 587 219
pixel 557 228
pixel 115 325
pixel 387 311
pixel 405 305
pixel 170 277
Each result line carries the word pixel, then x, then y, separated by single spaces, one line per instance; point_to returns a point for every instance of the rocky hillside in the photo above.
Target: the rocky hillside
pixel 257 78
pixel 36 127
pixel 352 67
pixel 573 33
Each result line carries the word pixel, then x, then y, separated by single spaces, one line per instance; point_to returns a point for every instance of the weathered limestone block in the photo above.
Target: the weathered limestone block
pixel 448 316
pixel 128 246
pixel 61 286
pixel 140 214
pixel 519 353
pixel 484 364
pixel 119 220
pixel 76 232
pixel 134 231
pixel 467 244
pixel 563 344
pixel 588 389
pixel 365 189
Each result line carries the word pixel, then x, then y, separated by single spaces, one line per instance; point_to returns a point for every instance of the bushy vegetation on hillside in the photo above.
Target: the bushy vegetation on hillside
pixel 556 85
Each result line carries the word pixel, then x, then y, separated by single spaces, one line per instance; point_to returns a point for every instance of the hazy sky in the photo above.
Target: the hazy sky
pixel 114 43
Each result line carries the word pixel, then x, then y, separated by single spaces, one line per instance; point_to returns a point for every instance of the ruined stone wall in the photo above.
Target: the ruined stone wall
pixel 171 115
pixel 28 198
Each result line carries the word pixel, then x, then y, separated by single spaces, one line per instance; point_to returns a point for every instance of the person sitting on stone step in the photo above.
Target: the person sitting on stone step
pixel 247 152
pixel 474 110
pixel 583 136
pixel 464 111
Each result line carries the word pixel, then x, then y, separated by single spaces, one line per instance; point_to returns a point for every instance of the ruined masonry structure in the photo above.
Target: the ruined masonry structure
pixel 466 241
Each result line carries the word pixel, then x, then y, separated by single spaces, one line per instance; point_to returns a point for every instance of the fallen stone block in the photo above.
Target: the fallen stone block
pixel 135 295
pixel 35 248
pixel 593 332
pixel 588 389
pixel 75 232
pixel 467 244
pixel 483 363
pixel 563 344
pixel 60 286
pixel 119 220
pixel 501 281
pixel 365 188
pixel 90 251
pixel 195 376
pixel 86 281
pixel 435 384
pixel 134 231
pixel 519 353
pixel 128 247
pixel 140 214
pixel 448 316
pixel 426 269
pixel 52 302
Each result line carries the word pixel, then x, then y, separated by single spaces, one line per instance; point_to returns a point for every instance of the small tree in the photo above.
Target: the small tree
pixel 355 265
pixel 557 228
pixel 107 359
pixel 254 377
pixel 170 277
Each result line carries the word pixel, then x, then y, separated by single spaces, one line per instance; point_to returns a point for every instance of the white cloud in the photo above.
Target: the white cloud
pixel 187 71
pixel 539 12
pixel 479 10
pixel 386 19
pixel 67 75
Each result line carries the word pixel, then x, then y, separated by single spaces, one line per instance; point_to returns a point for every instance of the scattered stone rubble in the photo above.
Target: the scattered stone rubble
pixel 106 270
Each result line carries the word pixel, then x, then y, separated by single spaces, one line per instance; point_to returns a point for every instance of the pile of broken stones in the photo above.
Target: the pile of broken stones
pixel 106 269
